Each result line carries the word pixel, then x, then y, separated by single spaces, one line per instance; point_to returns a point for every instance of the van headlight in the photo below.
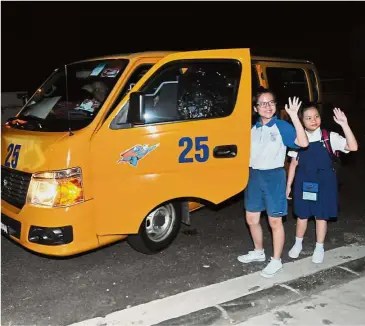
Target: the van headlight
pixel 56 189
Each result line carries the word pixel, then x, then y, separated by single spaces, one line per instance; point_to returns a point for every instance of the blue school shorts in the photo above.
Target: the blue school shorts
pixel 266 190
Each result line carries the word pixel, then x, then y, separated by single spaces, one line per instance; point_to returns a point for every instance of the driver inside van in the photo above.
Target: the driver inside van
pixel 95 95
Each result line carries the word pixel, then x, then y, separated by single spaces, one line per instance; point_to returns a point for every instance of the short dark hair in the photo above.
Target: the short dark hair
pixel 262 90
pixel 307 106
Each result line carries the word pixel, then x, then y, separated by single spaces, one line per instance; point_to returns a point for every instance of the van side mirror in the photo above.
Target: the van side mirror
pixel 136 109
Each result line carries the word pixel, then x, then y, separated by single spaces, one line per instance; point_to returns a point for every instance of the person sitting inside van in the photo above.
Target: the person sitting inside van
pixel 95 94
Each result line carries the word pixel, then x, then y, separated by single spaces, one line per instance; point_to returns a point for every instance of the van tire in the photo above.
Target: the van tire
pixel 158 229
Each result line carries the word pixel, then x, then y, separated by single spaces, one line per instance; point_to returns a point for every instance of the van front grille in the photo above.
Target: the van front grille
pixel 14 186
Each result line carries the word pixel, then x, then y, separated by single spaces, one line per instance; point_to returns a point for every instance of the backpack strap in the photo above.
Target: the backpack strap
pixel 327 143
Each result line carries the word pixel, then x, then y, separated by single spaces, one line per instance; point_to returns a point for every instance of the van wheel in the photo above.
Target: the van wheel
pixel 158 229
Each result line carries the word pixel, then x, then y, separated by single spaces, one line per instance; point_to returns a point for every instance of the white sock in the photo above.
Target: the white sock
pixel 277 261
pixel 260 251
pixel 298 241
pixel 319 246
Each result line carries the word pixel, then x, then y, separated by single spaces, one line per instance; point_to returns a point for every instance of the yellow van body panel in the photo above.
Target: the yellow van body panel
pixel 159 177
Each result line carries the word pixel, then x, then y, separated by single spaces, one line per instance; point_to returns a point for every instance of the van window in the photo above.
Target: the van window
pixel 254 80
pixel 314 84
pixel 288 82
pixel 72 96
pixel 137 74
pixel 189 90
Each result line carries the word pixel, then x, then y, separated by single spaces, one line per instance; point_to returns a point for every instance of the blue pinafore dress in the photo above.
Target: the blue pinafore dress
pixel 315 166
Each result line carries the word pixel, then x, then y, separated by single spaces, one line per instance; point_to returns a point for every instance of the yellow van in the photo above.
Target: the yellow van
pixel 127 146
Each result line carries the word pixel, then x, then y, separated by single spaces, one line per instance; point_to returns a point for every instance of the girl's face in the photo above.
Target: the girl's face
pixel 311 119
pixel 266 106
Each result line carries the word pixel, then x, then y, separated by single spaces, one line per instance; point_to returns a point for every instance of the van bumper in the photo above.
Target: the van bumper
pixel 51 231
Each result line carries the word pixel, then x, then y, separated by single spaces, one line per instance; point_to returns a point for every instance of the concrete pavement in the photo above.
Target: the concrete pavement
pixel 242 298
pixel 342 305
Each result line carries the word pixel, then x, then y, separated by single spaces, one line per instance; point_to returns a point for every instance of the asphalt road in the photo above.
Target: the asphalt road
pixel 45 291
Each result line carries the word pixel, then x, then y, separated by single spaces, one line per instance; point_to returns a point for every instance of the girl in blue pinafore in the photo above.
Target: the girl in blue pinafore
pixel 315 190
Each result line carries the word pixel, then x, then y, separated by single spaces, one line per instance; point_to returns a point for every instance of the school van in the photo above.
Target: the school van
pixel 128 146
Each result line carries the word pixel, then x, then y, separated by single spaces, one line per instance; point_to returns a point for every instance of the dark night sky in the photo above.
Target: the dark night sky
pixel 39 36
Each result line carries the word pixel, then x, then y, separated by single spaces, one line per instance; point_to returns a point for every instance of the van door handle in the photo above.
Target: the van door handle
pixel 225 151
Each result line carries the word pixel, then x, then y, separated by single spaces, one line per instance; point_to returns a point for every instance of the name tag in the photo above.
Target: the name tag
pixel 309 196
pixel 310 191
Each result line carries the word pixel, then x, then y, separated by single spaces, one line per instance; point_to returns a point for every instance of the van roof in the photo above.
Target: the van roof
pixel 165 53
pixel 131 55
pixel 280 59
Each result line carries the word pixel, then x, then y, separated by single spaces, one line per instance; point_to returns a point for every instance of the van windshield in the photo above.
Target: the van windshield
pixel 71 97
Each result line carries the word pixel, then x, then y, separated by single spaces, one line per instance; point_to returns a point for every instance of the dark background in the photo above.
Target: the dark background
pixel 37 37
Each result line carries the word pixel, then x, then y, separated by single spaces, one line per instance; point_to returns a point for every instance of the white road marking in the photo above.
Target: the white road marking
pixel 224 314
pixel 193 300
pixel 289 288
pixel 349 270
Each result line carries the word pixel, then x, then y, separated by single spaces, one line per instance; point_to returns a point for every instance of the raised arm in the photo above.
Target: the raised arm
pixel 292 110
pixel 341 119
